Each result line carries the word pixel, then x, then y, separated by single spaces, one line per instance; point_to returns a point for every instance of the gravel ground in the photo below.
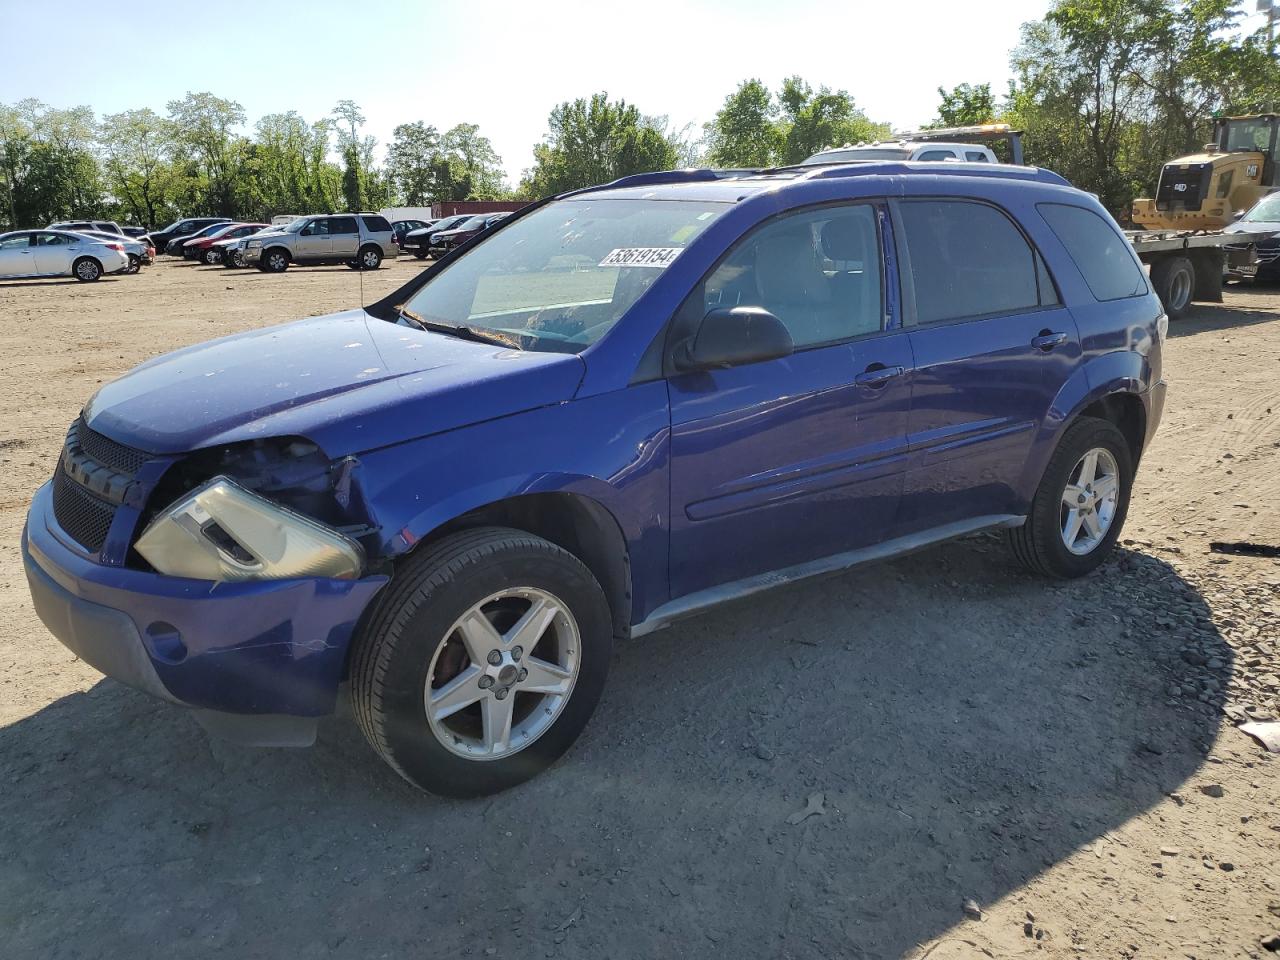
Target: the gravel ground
pixel 987 764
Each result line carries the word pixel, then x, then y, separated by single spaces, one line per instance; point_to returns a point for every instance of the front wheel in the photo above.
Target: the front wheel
pixel 211 257
pixel 1079 508
pixel 87 270
pixel 275 261
pixel 482 662
pixel 135 264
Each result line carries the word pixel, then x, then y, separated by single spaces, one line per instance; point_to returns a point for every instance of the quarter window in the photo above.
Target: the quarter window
pixel 375 224
pixel 968 259
pixel 819 272
pixel 976 156
pixel 1105 259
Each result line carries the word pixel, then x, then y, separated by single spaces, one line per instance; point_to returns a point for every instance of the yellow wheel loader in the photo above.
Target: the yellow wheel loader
pixel 1206 191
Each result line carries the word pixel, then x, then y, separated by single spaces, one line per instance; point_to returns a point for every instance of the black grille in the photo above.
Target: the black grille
pixel 106 451
pixel 82 515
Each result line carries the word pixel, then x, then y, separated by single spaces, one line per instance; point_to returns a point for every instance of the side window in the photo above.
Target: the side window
pixel 1105 259
pixel 976 156
pixel 21 241
pixel 316 228
pixel 1224 185
pixel 342 225
pixel 819 272
pixel 376 224
pixel 936 155
pixel 967 259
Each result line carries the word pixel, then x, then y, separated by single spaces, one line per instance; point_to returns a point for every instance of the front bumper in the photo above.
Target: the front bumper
pixel 264 648
pixel 251 254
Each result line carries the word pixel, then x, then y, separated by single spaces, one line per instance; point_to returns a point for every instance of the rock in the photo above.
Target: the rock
pixel 764 753
pixel 1226 865
pixel 1170 851
pixel 972 910
pixel 1272 943
pixel 1028 929
pixel 1211 789
pixel 814 808
pixel 1195 658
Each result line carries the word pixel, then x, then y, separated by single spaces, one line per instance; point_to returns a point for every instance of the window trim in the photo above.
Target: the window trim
pixel 906 290
pixel 671 335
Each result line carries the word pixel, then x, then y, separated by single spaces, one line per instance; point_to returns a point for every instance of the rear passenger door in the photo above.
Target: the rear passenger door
pixel 344 237
pixel 784 461
pixel 993 346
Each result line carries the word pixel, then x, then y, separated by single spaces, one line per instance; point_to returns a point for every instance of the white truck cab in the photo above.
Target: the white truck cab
pixel 905 150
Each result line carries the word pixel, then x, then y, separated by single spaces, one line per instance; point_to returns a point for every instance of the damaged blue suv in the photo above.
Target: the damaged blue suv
pixel 621 406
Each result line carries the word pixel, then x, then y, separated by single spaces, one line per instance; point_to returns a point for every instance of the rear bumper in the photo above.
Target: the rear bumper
pixel 265 648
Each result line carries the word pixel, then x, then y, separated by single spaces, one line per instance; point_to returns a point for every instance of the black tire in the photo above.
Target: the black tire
pixel 275 260
pixel 1174 279
pixel 369 258
pixel 135 264
pixel 421 256
pixel 393 652
pixel 87 270
pixel 1038 544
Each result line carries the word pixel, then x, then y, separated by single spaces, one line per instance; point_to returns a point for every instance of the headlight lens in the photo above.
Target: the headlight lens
pixel 223 532
pixel 255 243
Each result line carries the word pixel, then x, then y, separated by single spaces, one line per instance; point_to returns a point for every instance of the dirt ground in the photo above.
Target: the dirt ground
pixel 1051 752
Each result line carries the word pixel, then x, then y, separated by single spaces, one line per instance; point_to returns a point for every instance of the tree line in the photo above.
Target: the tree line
pixel 1105 90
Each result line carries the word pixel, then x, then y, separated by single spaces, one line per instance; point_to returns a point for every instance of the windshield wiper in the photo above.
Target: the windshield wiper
pixel 460 331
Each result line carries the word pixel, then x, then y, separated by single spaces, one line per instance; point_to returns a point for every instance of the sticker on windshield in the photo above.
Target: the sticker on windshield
pixel 640 257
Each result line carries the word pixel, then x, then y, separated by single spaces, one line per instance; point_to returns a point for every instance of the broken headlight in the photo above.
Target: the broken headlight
pixel 223 532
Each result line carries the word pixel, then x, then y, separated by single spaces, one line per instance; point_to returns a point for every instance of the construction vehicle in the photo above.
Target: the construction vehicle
pixel 1208 190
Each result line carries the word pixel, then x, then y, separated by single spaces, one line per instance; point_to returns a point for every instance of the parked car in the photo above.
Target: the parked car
pixel 418 242
pixel 80 226
pixel 176 246
pixel 182 228
pixel 905 150
pixel 401 227
pixel 204 248
pixel 59 253
pixel 139 252
pixel 614 409
pixel 446 241
pixel 1262 216
pixel 361 241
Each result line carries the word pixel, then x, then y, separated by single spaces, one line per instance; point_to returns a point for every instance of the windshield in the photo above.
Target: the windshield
pixel 1248 135
pixel 559 278
pixel 861 153
pixel 1267 209
pixel 469 224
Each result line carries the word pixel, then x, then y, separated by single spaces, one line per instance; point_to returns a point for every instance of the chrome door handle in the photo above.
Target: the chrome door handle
pixel 877 377
pixel 1048 340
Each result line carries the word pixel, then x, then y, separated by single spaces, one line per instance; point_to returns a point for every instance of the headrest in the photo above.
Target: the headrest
pixel 847 238
pixel 787 270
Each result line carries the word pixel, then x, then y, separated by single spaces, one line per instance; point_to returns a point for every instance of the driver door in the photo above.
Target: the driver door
pixel 785 461
pixel 313 241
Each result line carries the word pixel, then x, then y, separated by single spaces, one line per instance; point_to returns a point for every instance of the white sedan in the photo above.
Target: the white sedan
pixel 58 253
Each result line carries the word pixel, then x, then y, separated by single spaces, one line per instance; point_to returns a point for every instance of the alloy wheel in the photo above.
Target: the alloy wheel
pixel 502 674
pixel 1089 501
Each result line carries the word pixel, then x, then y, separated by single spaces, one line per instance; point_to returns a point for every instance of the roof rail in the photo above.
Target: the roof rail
pixel 1005 171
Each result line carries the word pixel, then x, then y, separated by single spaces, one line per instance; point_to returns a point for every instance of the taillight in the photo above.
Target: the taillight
pixel 118 247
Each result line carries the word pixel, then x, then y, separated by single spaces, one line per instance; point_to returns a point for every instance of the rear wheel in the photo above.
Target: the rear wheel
pixel 1080 506
pixel 370 258
pixel 135 264
pixel 482 662
pixel 1174 279
pixel 87 269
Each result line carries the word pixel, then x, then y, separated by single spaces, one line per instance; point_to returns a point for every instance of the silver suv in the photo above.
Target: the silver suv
pixel 360 240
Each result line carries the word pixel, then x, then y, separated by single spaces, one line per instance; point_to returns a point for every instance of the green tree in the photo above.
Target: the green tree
pixel 202 126
pixel 814 120
pixel 478 160
pixel 135 149
pixel 965 105
pixel 414 146
pixel 744 132
pixel 595 141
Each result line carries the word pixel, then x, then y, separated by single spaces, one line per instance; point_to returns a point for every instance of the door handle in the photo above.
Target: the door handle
pixel 877 375
pixel 1047 340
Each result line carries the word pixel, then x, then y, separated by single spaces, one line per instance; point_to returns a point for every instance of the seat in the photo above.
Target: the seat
pixel 791 285
pixel 849 245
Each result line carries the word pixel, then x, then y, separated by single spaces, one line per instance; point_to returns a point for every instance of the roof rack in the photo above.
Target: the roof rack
pixel 822 171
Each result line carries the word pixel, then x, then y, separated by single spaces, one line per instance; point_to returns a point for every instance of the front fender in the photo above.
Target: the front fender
pixel 610 448
pixel 1111 373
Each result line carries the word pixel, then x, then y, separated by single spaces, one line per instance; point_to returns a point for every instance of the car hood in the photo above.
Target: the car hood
pixel 1253 226
pixel 349 382
pixel 270 234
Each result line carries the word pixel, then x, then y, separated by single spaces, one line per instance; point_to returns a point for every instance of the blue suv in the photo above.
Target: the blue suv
pixel 619 407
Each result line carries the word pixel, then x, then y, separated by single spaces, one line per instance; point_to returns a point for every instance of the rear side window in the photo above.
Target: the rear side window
pixel 1105 259
pixel 967 260
pixel 976 156
pixel 376 224
pixel 936 155
pixel 342 225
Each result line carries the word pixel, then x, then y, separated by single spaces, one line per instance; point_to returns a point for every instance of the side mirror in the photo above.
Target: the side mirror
pixel 1237 215
pixel 733 337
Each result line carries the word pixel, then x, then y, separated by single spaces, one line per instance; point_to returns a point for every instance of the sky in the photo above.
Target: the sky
pixel 503 65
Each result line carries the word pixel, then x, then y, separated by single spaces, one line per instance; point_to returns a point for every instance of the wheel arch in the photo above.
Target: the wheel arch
pixel 578 523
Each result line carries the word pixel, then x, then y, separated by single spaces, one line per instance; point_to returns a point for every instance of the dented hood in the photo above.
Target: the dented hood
pixel 349 382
